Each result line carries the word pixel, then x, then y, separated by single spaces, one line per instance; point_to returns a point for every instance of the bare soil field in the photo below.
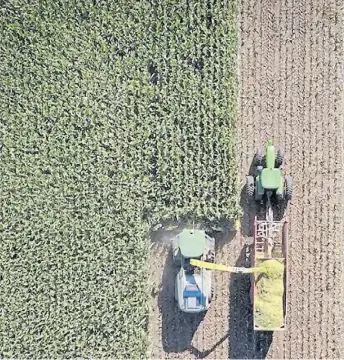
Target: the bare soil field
pixel 291 91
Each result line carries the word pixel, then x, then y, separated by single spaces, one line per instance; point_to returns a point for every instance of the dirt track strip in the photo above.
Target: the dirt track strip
pixel 291 91
pixel 291 81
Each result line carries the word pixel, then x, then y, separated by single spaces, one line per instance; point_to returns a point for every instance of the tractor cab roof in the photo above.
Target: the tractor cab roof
pixel 271 178
pixel 192 243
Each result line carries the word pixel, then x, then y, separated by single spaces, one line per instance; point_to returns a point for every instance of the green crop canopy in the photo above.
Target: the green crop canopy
pixel 192 243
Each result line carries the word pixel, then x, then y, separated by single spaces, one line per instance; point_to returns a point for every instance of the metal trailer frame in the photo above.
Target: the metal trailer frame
pixel 262 230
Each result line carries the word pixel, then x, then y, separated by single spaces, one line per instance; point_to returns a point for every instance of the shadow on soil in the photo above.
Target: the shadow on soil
pixel 178 328
pixel 249 207
pixel 244 343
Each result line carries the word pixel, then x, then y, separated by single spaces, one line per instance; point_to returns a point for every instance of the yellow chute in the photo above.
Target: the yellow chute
pixel 269 267
pixel 233 269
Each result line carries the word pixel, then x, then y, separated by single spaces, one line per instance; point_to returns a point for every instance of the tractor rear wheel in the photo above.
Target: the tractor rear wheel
pixel 279 159
pixel 249 186
pixel 288 187
pixel 258 157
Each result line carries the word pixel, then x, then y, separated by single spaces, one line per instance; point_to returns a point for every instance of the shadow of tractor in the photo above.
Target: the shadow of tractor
pixel 178 328
pixel 249 207
pixel 244 343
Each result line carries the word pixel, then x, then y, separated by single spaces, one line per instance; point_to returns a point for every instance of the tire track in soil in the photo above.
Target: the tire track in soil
pixel 335 188
pixel 295 85
pixel 239 305
pixel 307 163
pixel 320 302
pixel 331 261
pixel 302 42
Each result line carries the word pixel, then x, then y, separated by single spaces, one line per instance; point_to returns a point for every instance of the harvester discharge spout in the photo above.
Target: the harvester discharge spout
pixel 231 269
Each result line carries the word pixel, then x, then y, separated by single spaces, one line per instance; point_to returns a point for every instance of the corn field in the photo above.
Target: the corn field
pixel 115 115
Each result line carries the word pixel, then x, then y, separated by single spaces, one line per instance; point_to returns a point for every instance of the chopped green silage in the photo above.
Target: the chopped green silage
pixel 269 299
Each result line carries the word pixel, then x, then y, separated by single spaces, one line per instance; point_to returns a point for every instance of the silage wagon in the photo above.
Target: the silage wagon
pixel 269 274
pixel 270 243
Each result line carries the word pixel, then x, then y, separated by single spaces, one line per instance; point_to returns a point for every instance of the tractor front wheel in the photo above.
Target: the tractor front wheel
pixel 279 159
pixel 249 186
pixel 288 187
pixel 175 253
pixel 258 157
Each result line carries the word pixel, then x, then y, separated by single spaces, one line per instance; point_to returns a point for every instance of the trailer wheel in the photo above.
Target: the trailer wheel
pixel 279 159
pixel 258 157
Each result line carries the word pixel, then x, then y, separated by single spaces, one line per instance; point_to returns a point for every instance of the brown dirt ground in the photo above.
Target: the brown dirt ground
pixel 291 90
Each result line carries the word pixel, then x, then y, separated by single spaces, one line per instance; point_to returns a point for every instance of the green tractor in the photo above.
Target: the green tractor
pixel 268 181
pixel 194 286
